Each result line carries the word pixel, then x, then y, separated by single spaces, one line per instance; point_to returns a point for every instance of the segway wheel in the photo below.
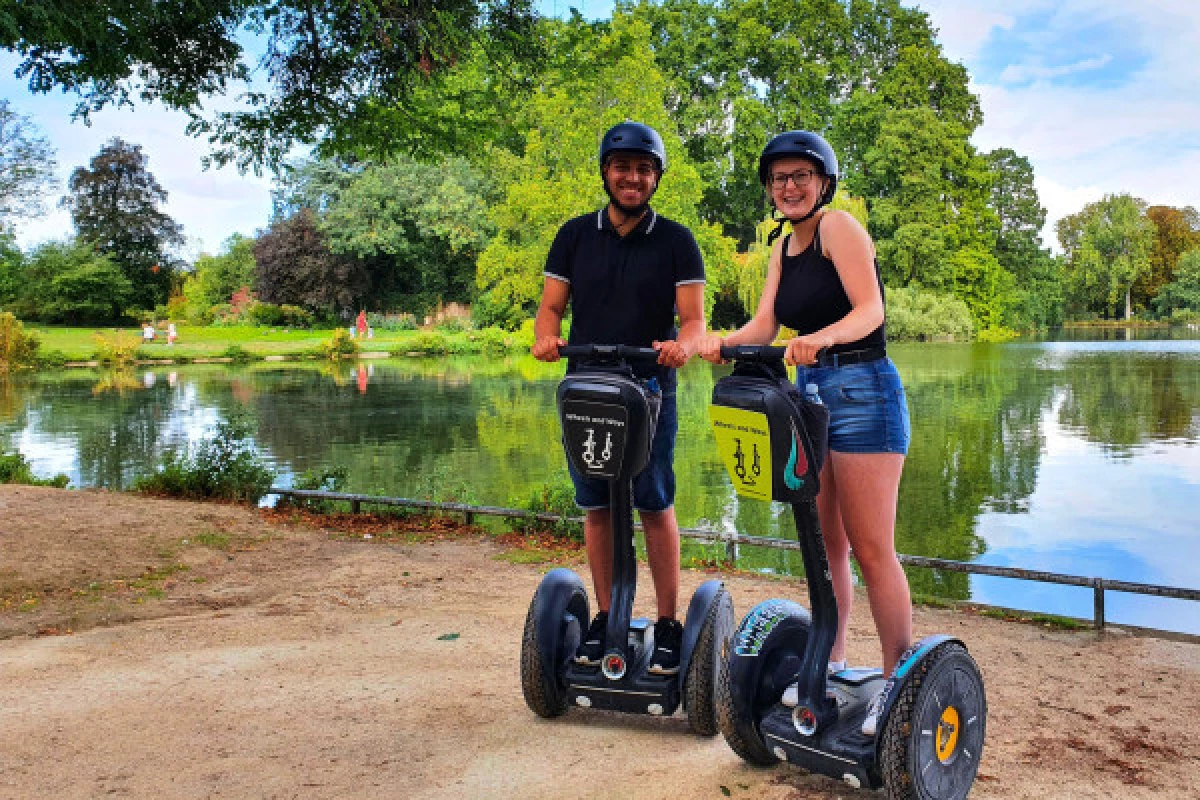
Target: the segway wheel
pixel 546 691
pixel 707 664
pixel 933 737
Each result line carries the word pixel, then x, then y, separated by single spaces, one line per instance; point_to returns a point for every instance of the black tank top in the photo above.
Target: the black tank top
pixel 811 295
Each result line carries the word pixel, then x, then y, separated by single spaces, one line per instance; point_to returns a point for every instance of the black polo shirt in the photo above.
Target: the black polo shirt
pixel 623 288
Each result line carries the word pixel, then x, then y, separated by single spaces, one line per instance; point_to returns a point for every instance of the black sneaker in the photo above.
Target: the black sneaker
pixel 591 649
pixel 668 641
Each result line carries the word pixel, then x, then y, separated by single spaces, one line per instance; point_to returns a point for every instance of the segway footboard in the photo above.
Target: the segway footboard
pixel 554 625
pixel 764 656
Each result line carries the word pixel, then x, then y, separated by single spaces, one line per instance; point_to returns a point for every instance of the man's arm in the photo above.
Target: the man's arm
pixel 547 325
pixel 689 303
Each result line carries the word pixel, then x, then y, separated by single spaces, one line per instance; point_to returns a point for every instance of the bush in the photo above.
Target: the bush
pixel 15 469
pixel 238 354
pixel 340 345
pixel 920 314
pixel 391 322
pixel 225 467
pixel 17 348
pixel 433 343
pixel 551 498
pixel 119 347
pixel 332 479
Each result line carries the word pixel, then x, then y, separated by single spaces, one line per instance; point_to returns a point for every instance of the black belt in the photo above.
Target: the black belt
pixel 847 357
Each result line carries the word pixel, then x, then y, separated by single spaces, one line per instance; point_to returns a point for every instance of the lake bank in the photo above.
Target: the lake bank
pixel 284 657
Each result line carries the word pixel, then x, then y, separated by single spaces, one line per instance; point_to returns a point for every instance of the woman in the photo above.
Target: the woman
pixel 823 282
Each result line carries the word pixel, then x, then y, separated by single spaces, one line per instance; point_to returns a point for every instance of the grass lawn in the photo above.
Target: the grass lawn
pixel 77 344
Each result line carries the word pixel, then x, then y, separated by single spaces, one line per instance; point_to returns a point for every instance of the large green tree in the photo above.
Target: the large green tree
pixel 1176 230
pixel 1107 248
pixel 115 203
pixel 328 71
pixel 67 282
pixel 603 75
pixel 26 165
pixel 1183 293
pixel 215 278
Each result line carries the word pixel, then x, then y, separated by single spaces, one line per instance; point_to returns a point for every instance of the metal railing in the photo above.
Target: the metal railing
pixel 732 539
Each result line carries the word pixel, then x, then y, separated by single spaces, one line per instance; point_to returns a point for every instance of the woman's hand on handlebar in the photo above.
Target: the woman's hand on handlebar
pixel 671 353
pixel 710 349
pixel 804 350
pixel 545 348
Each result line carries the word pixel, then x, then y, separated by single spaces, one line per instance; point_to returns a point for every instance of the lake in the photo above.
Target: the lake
pixel 1076 456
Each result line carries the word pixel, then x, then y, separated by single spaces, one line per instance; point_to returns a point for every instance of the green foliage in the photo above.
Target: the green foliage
pixel 225 467
pixel 331 479
pixel 269 315
pixel 340 345
pixel 117 348
pixel 551 498
pixel 345 75
pixel 17 348
pixel 1181 295
pixel 114 203
pixel 15 469
pixel 557 176
pixel 67 282
pixel 216 278
pixel 919 314
pixel 238 354
pixel 1107 248
pixel 294 265
pixel 1176 231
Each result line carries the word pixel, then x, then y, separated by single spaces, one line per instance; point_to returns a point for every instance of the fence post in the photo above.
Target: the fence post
pixel 1098 591
pixel 355 505
pixel 731 547
pixel 469 517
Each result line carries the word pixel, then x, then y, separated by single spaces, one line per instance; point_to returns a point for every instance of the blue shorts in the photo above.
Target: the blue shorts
pixel 653 487
pixel 868 412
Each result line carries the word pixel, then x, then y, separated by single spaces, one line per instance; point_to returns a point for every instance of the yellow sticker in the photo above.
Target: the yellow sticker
pixel 744 441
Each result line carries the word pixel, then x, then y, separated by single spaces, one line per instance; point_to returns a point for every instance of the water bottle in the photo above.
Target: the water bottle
pixel 812 395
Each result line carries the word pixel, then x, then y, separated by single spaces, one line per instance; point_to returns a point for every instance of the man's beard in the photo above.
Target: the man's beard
pixel 629 211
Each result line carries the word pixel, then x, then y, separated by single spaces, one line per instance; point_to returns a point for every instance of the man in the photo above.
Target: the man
pixel 626 272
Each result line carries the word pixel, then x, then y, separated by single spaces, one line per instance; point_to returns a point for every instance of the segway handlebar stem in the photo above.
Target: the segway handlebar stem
pixel 608 351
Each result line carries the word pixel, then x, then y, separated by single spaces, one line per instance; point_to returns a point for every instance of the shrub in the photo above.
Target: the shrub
pixel 551 498
pixel 17 348
pixel 921 314
pixel 119 347
pixel 238 354
pixel 15 469
pixel 225 467
pixel 391 322
pixel 332 479
pixel 340 345
pixel 266 315
pixel 433 343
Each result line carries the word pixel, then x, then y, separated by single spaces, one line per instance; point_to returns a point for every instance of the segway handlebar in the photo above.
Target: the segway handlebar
pixel 608 351
pixel 752 352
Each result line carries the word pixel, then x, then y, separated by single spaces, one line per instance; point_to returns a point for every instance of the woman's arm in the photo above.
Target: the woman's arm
pixel 763 327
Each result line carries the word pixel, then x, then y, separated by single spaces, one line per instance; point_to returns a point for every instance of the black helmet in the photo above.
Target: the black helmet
pixel 801 144
pixel 634 137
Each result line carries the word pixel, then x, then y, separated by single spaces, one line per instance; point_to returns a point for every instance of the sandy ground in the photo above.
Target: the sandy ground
pixel 153 648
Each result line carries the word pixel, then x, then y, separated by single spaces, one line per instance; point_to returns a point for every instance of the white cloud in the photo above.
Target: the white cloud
pixel 1021 73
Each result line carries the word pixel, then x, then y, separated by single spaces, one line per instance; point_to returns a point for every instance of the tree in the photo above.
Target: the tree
pixel 1176 230
pixel 115 205
pixel 216 278
pixel 1107 247
pixel 26 165
pixel 293 265
pixel 558 177
pixel 1183 293
pixel 335 71
pixel 69 282
pixel 420 226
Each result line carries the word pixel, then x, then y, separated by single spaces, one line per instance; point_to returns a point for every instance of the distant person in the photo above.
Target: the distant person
pixel 625 271
pixel 361 324
pixel 172 334
pixel 147 333
pixel 823 282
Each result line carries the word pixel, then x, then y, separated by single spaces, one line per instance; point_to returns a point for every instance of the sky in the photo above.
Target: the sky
pixel 1100 95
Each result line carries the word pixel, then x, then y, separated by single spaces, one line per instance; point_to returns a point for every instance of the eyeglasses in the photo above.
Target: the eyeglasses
pixel 801 177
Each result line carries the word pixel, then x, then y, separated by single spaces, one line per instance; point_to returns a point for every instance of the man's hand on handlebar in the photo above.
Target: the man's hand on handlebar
pixel 671 353
pixel 545 348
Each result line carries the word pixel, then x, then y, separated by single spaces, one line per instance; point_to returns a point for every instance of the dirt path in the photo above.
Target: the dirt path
pixel 291 662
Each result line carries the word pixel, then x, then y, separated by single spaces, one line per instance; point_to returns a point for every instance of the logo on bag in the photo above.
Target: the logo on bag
pixel 744 441
pixel 797 463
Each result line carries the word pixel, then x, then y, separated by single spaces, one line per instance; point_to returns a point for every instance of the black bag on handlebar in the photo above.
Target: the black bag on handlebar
pixel 608 420
pixel 757 409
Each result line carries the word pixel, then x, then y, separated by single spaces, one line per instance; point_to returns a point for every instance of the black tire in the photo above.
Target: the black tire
pixel 748 688
pixel 707 664
pixel 546 694
pixel 920 757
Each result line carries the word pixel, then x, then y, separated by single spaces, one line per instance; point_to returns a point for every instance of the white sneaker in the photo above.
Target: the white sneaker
pixel 791 695
pixel 871 723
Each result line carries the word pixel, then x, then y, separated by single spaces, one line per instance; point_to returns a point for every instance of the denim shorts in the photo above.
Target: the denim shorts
pixel 653 487
pixel 868 412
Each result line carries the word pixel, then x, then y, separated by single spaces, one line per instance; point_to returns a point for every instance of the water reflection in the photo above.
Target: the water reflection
pixel 1075 456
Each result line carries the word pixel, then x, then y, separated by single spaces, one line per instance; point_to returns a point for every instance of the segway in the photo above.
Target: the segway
pixel 608 421
pixel 931 731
